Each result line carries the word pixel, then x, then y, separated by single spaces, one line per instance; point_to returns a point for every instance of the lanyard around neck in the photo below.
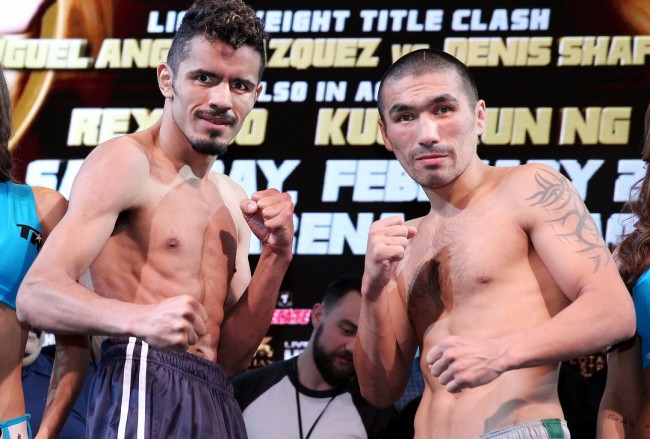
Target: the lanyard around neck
pixel 298 407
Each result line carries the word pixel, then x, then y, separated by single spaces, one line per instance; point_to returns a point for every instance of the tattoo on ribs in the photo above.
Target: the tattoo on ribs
pixel 557 195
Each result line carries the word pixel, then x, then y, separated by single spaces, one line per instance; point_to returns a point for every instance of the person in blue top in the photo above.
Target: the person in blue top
pixel 625 407
pixel 27 215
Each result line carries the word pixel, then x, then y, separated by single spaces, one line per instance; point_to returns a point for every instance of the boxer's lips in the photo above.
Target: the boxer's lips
pixel 433 159
pixel 216 121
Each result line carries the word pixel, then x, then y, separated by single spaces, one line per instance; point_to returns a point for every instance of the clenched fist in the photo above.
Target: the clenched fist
pixel 387 242
pixel 269 214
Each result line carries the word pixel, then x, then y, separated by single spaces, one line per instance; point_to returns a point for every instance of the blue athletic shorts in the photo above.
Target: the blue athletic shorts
pixel 142 392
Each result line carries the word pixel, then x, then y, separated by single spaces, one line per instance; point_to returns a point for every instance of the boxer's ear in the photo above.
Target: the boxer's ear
pixel 166 80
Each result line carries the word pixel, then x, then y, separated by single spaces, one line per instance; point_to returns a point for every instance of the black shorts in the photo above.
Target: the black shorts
pixel 143 392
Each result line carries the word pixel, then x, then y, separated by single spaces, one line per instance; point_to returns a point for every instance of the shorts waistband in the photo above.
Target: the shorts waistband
pixel 535 429
pixel 116 348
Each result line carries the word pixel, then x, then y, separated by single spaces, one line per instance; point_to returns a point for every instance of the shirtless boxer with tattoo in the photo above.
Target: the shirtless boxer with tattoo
pixel 506 275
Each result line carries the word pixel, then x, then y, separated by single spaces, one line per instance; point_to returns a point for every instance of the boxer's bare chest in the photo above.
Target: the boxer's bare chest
pixel 453 259
pixel 183 235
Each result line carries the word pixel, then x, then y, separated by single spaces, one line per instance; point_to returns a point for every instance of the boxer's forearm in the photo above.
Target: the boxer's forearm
pixel 382 367
pixel 247 322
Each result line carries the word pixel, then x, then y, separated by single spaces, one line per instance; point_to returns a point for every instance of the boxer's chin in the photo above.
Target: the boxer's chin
pixel 209 147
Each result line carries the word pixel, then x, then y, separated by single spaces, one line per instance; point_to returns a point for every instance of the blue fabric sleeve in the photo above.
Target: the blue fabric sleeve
pixel 641 298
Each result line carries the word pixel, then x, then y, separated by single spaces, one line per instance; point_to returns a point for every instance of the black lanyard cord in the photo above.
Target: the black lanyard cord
pixel 298 408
